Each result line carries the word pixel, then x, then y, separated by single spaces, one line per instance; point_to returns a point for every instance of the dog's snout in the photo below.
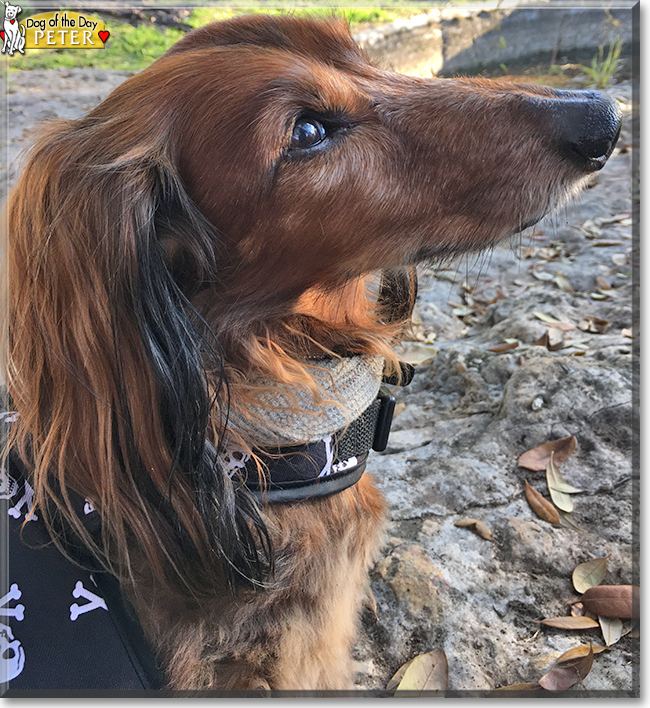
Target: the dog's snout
pixel 587 126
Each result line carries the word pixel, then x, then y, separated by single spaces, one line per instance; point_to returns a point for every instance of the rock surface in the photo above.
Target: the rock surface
pixel 467 417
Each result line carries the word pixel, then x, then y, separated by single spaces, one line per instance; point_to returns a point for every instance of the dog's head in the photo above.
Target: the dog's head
pixel 11 11
pixel 157 242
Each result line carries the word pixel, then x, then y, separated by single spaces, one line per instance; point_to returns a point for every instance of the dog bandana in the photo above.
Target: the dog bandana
pixel 63 627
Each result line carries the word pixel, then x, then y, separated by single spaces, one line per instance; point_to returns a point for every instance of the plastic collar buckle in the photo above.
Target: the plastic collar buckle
pixel 384 421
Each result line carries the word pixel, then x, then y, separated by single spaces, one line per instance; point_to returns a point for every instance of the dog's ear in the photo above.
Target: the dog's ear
pixel 117 380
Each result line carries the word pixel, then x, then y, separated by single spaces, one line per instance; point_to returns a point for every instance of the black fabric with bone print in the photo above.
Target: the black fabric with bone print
pixel 63 627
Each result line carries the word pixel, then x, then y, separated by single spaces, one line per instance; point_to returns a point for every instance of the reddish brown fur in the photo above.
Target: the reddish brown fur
pixel 273 253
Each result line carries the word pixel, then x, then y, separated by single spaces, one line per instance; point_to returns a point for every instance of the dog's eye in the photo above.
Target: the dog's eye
pixel 307 132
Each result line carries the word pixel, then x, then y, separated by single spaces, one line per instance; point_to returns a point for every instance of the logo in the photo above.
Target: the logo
pixel 51 30
pixel 13 33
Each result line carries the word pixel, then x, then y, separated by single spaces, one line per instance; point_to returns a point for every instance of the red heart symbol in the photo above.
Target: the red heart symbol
pixel 12 21
pixel 2 35
pixel 104 35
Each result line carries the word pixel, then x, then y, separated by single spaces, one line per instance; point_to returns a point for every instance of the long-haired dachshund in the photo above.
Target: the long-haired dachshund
pixel 203 280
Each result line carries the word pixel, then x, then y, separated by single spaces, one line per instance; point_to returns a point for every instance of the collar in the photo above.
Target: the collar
pixel 323 467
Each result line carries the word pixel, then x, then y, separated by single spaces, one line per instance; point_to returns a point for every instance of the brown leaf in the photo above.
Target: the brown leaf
pixel 426 672
pixel 542 341
pixel 398 676
pixel 506 346
pixel 542 507
pixel 611 628
pixel 568 521
pixel 538 458
pixel 578 652
pixel 607 242
pixel 620 601
pixel 399 407
pixel 569 622
pixel 577 609
pixel 479 527
pixel 595 325
pixel 602 283
pixel 588 575
pixel 568 673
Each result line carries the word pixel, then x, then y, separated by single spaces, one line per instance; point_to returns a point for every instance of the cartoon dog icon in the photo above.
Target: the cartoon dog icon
pixel 14 39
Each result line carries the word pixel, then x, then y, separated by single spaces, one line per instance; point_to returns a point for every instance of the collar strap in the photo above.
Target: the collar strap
pixel 318 469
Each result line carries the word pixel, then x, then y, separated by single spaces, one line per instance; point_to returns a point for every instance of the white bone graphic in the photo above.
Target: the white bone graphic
pixel 236 459
pixel 88 507
pixel 95 602
pixel 329 451
pixel 26 499
pixel 19 610
pixel 345 464
pixel 9 416
pixel 8 485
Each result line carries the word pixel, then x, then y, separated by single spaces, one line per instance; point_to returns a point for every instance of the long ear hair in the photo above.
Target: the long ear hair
pixel 117 380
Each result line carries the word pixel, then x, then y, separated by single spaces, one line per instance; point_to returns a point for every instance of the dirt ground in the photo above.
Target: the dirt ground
pixel 467 417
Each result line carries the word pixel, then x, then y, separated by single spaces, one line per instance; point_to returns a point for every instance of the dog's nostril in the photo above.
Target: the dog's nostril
pixel 588 125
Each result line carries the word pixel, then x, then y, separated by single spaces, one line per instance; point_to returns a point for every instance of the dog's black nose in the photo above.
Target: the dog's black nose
pixel 588 124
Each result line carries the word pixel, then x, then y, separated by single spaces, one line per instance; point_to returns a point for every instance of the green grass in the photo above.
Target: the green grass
pixel 133 48
pixel 355 15
pixel 604 68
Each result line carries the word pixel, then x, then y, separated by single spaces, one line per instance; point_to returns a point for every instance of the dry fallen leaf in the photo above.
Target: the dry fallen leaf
pixel 595 325
pixel 568 521
pixel 588 575
pixel 578 652
pixel 506 346
pixel 480 527
pixel 542 507
pixel 612 629
pixel 558 488
pixel 620 601
pixel 566 674
pixel 626 332
pixel 558 482
pixel 542 341
pixel 602 283
pixel 399 407
pixel 426 672
pixel 546 318
pixel 577 609
pixel 607 242
pixel 568 622
pixel 538 458
pixel 398 676
pixel 563 282
pixel 555 339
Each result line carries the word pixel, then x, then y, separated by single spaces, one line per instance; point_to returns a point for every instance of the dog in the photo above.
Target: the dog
pixel 14 32
pixel 206 274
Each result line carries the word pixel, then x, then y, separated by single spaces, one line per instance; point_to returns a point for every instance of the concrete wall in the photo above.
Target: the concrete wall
pixel 454 40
